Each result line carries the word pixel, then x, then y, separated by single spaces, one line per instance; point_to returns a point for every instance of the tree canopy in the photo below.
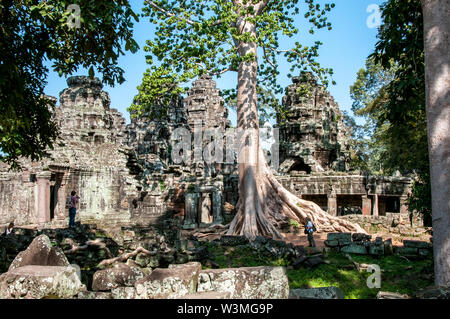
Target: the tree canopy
pixel 195 37
pixel 33 32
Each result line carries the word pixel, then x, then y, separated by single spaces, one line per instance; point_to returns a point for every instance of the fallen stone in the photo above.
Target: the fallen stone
pixel 388 248
pixel 299 261
pixel 361 237
pixel 314 261
pixel 317 293
pixel 355 248
pixel 376 249
pixel 406 251
pixel 37 282
pixel 416 244
pixel 94 295
pixel 434 293
pixel 331 243
pixel 36 254
pixel 172 282
pixel 246 282
pixel 123 293
pixel 342 238
pixel 227 240
pixel 120 275
pixel 391 295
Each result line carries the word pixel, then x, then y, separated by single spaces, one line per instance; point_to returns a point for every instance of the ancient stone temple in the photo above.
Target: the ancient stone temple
pixel 312 133
pixel 88 157
pixel 125 174
pixel 314 152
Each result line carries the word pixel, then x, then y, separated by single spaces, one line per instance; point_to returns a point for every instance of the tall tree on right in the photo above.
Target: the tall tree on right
pixel 437 83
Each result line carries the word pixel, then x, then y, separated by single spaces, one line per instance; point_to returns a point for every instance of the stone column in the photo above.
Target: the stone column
pixel 217 207
pixel 332 204
pixel 403 208
pixel 190 210
pixel 43 197
pixel 375 205
pixel 366 205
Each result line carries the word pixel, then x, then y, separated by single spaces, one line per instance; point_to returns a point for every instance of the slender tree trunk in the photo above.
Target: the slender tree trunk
pixel 263 202
pixel 436 15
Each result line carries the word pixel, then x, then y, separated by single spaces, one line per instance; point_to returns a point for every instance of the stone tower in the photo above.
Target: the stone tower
pixel 312 133
pixel 205 106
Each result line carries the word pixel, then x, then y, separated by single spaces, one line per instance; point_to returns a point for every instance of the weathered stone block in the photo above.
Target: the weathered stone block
pixel 361 237
pixel 388 248
pixel 355 248
pixel 94 295
pixel 36 282
pixel 123 293
pixel 416 244
pixel 208 295
pixel 376 249
pixel 406 251
pixel 227 240
pixel 317 293
pixel 172 282
pixel 117 276
pixel 36 254
pixel 246 282
pixel 331 243
pixel 342 238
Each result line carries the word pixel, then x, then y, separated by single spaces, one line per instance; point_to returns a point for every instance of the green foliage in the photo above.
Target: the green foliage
pixel 397 274
pixel 195 38
pixel 33 31
pixel 390 94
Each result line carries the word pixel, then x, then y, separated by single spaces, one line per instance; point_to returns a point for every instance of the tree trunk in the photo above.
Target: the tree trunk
pixel 437 82
pixel 263 202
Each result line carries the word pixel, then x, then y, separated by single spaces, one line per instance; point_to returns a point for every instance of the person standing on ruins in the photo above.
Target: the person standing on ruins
pixel 9 229
pixel 73 208
pixel 309 230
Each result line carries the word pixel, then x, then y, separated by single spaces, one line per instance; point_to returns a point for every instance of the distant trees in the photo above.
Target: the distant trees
pixel 390 94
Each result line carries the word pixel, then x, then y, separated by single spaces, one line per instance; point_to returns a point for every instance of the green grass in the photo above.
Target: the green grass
pixel 397 274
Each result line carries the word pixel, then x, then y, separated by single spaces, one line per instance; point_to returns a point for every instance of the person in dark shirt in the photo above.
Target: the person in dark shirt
pixel 73 209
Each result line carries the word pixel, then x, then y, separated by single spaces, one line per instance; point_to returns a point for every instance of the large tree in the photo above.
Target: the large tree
pixel 196 37
pixel 437 79
pixel 71 34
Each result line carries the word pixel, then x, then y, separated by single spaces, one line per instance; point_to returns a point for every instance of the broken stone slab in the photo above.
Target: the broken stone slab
pixel 416 244
pixel 37 282
pixel 40 252
pixel 172 282
pixel 342 238
pixel 120 275
pixel 314 261
pixel 246 282
pixel 406 251
pixel 361 237
pixel 331 243
pixel 317 293
pixel 229 240
pixel 388 248
pixel 123 293
pixel 391 295
pixel 299 261
pixel 434 293
pixel 355 248
pixel 94 295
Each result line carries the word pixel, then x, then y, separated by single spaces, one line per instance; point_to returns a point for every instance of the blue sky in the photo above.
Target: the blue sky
pixel 345 49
